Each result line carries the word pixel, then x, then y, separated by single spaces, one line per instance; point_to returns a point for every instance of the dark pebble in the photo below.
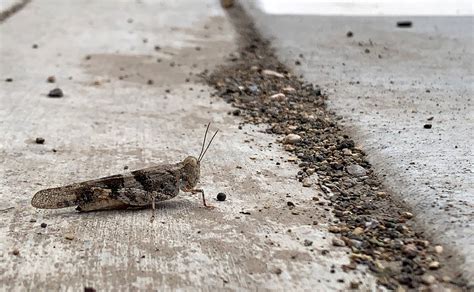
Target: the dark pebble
pixel 317 91
pixel 236 112
pixel 221 197
pixel 39 140
pixel 43 225
pixel 427 126
pixel 150 82
pixel 404 23
pixel 51 79
pixel 349 34
pixel 34 46
pixel 9 80
pixel 55 93
pixel 89 289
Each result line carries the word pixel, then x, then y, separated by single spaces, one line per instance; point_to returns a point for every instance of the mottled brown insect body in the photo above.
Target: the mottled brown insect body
pixel 136 189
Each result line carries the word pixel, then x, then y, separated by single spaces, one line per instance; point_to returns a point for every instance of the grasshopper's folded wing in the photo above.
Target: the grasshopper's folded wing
pixel 75 194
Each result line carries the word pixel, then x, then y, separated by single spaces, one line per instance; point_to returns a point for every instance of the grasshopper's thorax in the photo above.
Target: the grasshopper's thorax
pixel 190 173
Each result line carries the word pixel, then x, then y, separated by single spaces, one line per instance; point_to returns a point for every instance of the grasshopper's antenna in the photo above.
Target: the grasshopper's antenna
pixel 201 156
pixel 204 141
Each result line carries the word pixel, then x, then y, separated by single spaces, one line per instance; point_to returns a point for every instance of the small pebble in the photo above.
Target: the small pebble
pixel 334 229
pixel 407 215
pixel 428 279
pixel 434 265
pixel 16 252
pixel 57 92
pixel 404 23
pixel 150 82
pixel 307 182
pixel 9 80
pixel 338 242
pixel 410 250
pixel 43 225
pixel 51 79
pixel 291 139
pixel 358 231
pixel 427 126
pixel 39 140
pixel 356 170
pixel 34 46
pixel 69 236
pixel 307 242
pixel 278 96
pixel 277 271
pixel 438 249
pixel 354 285
pixel 349 34
pixel 32 220
pixel 221 197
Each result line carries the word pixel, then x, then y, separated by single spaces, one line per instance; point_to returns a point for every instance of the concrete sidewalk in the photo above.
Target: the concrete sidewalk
pixel 124 69
pixel 405 95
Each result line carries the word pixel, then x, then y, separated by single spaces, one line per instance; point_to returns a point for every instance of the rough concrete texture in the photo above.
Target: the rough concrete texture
pixel 387 83
pixel 102 55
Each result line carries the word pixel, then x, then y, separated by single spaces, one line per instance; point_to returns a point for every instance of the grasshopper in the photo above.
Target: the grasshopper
pixel 136 189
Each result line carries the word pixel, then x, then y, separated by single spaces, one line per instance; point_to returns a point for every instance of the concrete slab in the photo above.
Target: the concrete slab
pixel 103 55
pixel 387 83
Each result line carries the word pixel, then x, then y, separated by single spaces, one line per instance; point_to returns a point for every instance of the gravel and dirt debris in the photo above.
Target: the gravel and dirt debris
pixel 370 222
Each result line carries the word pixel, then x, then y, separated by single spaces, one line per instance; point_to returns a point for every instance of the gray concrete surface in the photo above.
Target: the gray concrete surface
pixel 109 118
pixel 386 82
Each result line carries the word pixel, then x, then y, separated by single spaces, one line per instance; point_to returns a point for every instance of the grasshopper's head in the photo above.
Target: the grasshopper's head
pixel 191 173
pixel 192 166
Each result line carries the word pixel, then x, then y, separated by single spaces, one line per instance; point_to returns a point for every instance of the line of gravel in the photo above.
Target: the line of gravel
pixel 378 229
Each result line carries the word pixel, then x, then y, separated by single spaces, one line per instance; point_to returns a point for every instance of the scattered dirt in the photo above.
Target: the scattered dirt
pixel 374 226
pixel 56 93
pixel 404 23
pixel 39 140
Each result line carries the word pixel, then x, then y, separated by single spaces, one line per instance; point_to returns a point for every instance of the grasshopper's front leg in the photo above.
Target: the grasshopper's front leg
pixel 194 191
